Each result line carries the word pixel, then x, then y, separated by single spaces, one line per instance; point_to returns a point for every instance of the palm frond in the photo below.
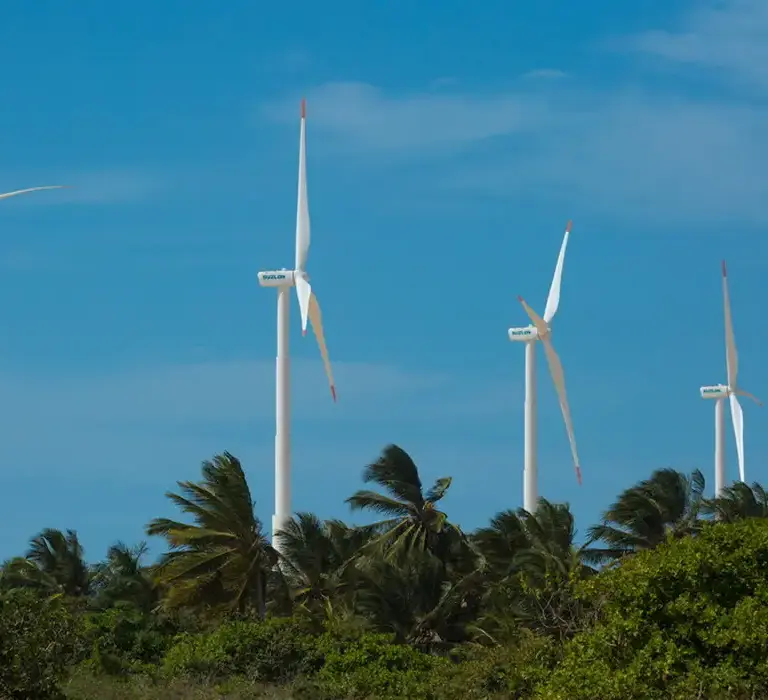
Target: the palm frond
pixel 378 503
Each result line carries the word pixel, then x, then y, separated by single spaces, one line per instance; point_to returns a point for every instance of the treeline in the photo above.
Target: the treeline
pixel 668 598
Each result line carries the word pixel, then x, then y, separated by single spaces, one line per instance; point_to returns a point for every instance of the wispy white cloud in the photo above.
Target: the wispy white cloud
pixel 136 431
pixel 362 116
pixel 544 74
pixel 238 391
pixel 642 157
pixel 630 152
pixel 636 150
pixel 233 392
pixel 730 36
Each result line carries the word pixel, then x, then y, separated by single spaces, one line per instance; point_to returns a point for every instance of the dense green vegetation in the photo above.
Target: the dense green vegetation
pixel 668 598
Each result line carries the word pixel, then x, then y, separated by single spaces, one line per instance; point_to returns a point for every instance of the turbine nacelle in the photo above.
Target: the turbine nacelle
pixel 277 278
pixel 540 329
pixel 732 392
pixel 298 278
pixel 718 391
pixel 310 315
pixel 523 335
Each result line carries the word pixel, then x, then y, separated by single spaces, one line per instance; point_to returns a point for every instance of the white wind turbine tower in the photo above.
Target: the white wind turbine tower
pixel 309 307
pixel 720 391
pixel 540 330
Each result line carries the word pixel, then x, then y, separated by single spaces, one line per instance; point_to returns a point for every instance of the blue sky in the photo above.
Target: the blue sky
pixel 448 145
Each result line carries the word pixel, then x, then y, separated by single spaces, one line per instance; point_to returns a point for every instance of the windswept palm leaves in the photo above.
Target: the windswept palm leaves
pixel 318 556
pixel 666 505
pixel 221 560
pixel 413 573
pixel 501 541
pixel 537 543
pixel 550 548
pixel 418 600
pixel 19 572
pixel 412 521
pixel 54 563
pixel 739 501
pixel 533 560
pixel 123 577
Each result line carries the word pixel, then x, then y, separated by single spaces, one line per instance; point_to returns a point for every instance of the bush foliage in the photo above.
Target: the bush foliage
pixel 667 600
pixel 39 639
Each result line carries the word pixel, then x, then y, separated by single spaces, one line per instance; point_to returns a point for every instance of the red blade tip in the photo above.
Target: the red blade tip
pixel 725 274
pixel 303 331
pixel 578 475
pixel 303 108
pixel 520 299
pixel 568 226
pixel 333 393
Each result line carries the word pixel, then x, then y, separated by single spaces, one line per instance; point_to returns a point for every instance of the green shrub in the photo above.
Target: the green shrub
pixel 84 686
pixel 373 666
pixel 504 672
pixel 689 619
pixel 271 651
pixel 38 639
pixel 124 639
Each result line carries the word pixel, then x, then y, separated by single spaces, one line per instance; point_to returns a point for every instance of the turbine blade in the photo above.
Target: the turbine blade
pixel 553 300
pixel 303 292
pixel 731 357
pixel 738 431
pixel 302 209
pixel 537 320
pixel 754 398
pixel 558 377
pixel 31 189
pixel 316 319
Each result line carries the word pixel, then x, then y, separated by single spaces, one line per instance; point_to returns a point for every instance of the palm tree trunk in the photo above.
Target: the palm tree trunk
pixel 261 595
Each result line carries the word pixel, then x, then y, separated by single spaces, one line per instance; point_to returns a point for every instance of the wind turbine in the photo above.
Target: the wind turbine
pixel 31 189
pixel 720 391
pixel 309 307
pixel 540 330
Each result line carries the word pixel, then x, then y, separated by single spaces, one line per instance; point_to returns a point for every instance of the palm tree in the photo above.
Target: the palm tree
pixel 739 501
pixel 122 577
pixel 538 560
pixel 412 523
pixel 316 556
pixel 550 549
pixel 666 505
pixel 53 563
pixel 500 542
pixel 19 572
pixel 538 543
pixel 417 599
pixel 223 559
